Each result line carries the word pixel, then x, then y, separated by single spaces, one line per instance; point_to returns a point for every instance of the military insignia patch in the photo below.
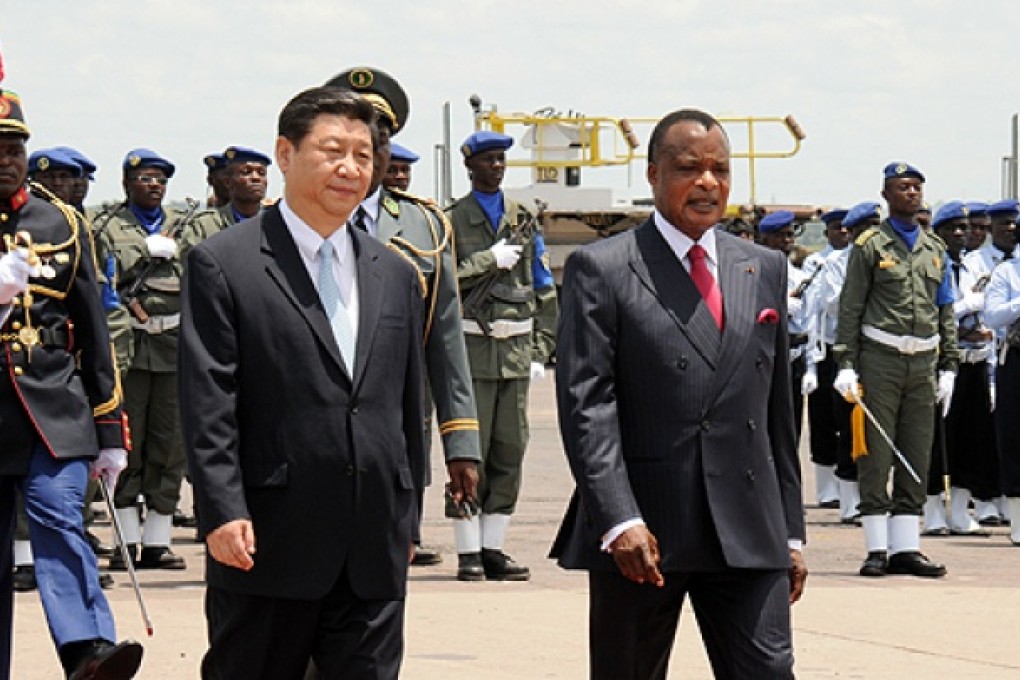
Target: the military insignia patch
pixel 230 153
pixel 361 78
pixel 901 168
pixel 466 150
pixel 887 262
pixel 966 211
pixel 391 206
pixel 43 163
pixel 134 160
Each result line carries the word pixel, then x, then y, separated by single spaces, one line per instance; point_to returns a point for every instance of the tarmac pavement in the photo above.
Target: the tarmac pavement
pixel 963 626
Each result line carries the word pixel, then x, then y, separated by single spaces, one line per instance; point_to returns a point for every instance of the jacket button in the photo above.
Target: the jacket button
pixel 704 425
pixel 15 346
pixel 16 325
pixel 18 370
pixel 349 471
pixel 354 410
pixel 682 363
pixel 751 425
pixel 758 361
pixel 750 475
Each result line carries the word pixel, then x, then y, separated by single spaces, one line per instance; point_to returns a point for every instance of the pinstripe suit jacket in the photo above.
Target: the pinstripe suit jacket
pixel 664 417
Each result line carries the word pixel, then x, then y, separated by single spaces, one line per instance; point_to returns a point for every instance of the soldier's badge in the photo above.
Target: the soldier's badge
pixel 901 168
pixel 391 206
pixel 134 160
pixel 43 163
pixel 361 78
pixel 230 153
pixel 887 262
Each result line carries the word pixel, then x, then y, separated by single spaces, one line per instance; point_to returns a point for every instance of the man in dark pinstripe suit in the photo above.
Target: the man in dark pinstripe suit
pixel 674 398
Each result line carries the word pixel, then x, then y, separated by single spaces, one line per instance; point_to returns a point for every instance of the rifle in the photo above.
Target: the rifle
pixel 479 297
pixel 130 294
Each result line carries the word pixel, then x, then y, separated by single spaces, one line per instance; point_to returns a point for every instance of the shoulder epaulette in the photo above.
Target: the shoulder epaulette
pixel 863 238
pixel 938 239
pixel 425 200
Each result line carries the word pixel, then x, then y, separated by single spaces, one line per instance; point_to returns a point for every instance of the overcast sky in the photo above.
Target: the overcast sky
pixel 932 82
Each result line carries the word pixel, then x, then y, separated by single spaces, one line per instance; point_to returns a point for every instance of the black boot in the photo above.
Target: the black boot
pixel 501 567
pixel 469 567
pixel 117 562
pixel 101 660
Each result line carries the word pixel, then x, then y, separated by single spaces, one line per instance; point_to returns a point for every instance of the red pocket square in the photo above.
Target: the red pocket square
pixel 768 315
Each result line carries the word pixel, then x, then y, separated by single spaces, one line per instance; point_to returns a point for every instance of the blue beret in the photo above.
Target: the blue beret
pixel 400 153
pixel 146 158
pixel 977 208
pixel 87 166
pixel 1004 207
pixel 52 159
pixel 215 161
pixel 484 140
pixel 896 169
pixel 953 210
pixel 775 221
pixel 836 215
pixel 241 154
pixel 860 212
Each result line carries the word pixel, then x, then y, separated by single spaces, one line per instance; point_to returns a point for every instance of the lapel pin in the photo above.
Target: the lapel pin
pixel 750 269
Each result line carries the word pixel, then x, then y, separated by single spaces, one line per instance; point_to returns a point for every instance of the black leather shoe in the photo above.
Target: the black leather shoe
pixel 469 567
pixel 829 505
pixel 915 564
pixel 501 567
pixel 875 564
pixel 117 564
pixel 24 579
pixel 425 556
pixel 98 547
pixel 109 662
pixel 159 557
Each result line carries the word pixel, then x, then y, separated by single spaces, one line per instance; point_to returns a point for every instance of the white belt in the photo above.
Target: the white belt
pixel 905 344
pixel 155 325
pixel 501 329
pixel 975 355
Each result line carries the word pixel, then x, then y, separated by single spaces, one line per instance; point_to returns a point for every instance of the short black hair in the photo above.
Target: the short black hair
pixel 298 115
pixel 670 119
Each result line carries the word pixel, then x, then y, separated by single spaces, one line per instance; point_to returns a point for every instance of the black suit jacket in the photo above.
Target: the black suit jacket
pixel 326 464
pixel 664 418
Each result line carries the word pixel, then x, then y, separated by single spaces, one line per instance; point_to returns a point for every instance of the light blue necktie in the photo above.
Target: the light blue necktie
pixel 336 311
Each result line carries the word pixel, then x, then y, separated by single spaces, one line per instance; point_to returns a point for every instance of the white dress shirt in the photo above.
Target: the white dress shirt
pixel 371 207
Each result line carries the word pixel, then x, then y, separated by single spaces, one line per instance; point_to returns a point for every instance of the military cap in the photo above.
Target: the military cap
pixel 835 215
pixel 860 212
pixel 977 208
pixel 146 158
pixel 215 161
pixel 1004 207
pixel 896 169
pixel 12 118
pixel 52 159
pixel 87 166
pixel 953 210
pixel 241 154
pixel 484 140
pixel 400 153
pixel 775 221
pixel 379 88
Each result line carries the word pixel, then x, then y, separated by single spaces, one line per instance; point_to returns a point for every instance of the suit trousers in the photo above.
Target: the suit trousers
pixel 273 638
pixel 503 434
pixel 156 462
pixel 743 614
pixel 1007 423
pixel 821 413
pixel 970 436
pixel 75 607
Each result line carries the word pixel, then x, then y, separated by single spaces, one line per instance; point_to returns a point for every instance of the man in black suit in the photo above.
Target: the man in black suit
pixel 673 386
pixel 301 392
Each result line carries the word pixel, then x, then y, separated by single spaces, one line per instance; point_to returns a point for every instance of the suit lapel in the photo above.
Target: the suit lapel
pixel 285 267
pixel 738 274
pixel 664 276
pixel 370 293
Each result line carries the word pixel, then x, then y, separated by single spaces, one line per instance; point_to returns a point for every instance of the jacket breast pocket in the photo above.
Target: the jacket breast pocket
pixel 266 474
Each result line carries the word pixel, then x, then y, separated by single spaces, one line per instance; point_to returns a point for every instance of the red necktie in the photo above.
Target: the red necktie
pixel 705 282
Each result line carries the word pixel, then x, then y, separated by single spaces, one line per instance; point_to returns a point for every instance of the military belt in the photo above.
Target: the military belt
pixel 155 325
pixel 500 329
pixel 904 344
pixel 975 355
pixel 512 294
pixel 57 336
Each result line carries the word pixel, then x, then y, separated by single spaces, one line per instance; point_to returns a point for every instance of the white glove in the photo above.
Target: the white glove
pixel 537 371
pixel 108 466
pixel 846 383
pixel 14 273
pixel 809 383
pixel 160 246
pixel 506 254
pixel 794 305
pixel 974 302
pixel 947 380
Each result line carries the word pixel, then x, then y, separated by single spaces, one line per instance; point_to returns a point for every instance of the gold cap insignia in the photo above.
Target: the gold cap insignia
pixel 901 168
pixel 134 160
pixel 43 163
pixel 466 150
pixel 230 153
pixel 360 78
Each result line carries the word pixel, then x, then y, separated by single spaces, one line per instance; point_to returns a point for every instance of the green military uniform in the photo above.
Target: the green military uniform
pixel 415 229
pixel 157 463
pixel 893 289
pixel 205 224
pixel 501 362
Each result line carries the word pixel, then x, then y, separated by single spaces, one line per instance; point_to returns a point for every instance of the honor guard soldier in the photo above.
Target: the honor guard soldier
pixel 60 411
pixel 819 366
pixel 510 326
pixel 1002 312
pixel 143 238
pixel 979 224
pixel 417 230
pixel 777 232
pixel 965 441
pixel 55 171
pixel 398 173
pixel 895 330
pixel 80 185
pixel 216 179
pixel 989 507
pixel 245 176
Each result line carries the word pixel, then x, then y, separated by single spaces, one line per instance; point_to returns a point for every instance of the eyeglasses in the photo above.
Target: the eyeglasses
pixel 149 179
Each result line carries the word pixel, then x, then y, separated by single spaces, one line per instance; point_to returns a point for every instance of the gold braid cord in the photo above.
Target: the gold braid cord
pixel 71 215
